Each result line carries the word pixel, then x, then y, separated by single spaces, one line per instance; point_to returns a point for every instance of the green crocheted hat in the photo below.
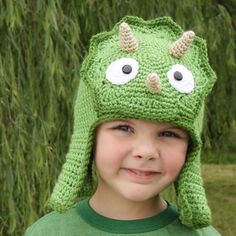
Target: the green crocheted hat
pixel 148 70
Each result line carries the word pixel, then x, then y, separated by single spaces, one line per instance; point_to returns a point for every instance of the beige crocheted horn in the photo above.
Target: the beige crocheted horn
pixel 153 83
pixel 128 42
pixel 180 46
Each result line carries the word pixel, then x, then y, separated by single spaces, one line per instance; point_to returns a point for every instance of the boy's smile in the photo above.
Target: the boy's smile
pixel 137 159
pixel 141 175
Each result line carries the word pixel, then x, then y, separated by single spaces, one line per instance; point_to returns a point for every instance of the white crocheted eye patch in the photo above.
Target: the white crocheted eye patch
pixel 181 78
pixel 122 70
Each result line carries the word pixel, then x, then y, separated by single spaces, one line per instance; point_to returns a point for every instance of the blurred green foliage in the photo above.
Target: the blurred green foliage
pixel 42 44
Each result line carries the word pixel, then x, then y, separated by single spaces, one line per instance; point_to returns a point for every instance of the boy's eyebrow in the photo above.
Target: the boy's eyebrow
pixel 127 121
pixel 120 120
pixel 174 127
pixel 124 121
pixel 117 121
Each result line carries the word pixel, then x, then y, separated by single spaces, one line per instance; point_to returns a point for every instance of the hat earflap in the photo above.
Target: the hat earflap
pixel 75 180
pixel 70 181
pixel 191 198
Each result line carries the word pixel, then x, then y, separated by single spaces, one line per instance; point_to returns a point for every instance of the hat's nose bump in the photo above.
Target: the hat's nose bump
pixel 153 83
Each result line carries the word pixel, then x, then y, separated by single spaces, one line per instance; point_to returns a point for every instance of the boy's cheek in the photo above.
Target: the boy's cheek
pixel 176 166
pixel 109 155
pixel 175 160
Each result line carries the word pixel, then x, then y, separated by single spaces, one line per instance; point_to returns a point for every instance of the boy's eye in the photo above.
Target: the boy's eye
pixel 125 128
pixel 168 134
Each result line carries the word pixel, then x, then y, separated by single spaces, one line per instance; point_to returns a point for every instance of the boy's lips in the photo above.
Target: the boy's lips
pixel 145 174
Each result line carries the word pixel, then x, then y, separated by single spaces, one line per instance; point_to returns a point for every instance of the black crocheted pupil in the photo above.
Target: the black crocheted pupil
pixel 127 69
pixel 178 75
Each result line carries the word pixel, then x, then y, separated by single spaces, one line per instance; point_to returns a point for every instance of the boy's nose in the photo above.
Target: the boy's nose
pixel 145 150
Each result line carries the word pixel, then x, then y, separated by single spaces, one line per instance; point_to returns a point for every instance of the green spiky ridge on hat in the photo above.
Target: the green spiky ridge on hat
pixel 148 70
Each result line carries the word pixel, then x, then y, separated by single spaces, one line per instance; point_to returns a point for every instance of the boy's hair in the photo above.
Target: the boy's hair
pixel 149 70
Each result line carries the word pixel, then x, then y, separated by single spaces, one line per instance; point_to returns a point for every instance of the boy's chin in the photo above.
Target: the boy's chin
pixel 139 196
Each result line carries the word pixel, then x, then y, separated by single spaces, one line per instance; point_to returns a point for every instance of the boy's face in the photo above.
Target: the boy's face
pixel 138 159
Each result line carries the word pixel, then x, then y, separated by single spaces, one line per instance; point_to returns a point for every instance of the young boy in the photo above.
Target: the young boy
pixel 138 120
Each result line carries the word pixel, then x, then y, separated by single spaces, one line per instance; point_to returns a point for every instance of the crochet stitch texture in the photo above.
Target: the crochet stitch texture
pixel 117 93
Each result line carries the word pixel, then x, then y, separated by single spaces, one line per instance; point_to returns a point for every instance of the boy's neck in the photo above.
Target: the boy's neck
pixel 119 208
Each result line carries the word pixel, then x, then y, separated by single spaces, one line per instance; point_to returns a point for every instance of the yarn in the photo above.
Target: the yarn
pixel 127 40
pixel 113 85
pixel 179 47
pixel 153 83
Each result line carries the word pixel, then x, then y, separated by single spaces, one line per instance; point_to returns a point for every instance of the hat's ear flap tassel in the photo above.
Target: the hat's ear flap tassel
pixel 65 192
pixel 191 198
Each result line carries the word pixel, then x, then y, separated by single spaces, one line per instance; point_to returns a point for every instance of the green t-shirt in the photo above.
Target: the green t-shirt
pixel 82 220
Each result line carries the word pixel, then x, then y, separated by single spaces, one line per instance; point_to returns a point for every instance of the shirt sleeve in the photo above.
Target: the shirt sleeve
pixel 208 231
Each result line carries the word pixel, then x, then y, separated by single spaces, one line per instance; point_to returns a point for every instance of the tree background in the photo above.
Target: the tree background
pixel 42 45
